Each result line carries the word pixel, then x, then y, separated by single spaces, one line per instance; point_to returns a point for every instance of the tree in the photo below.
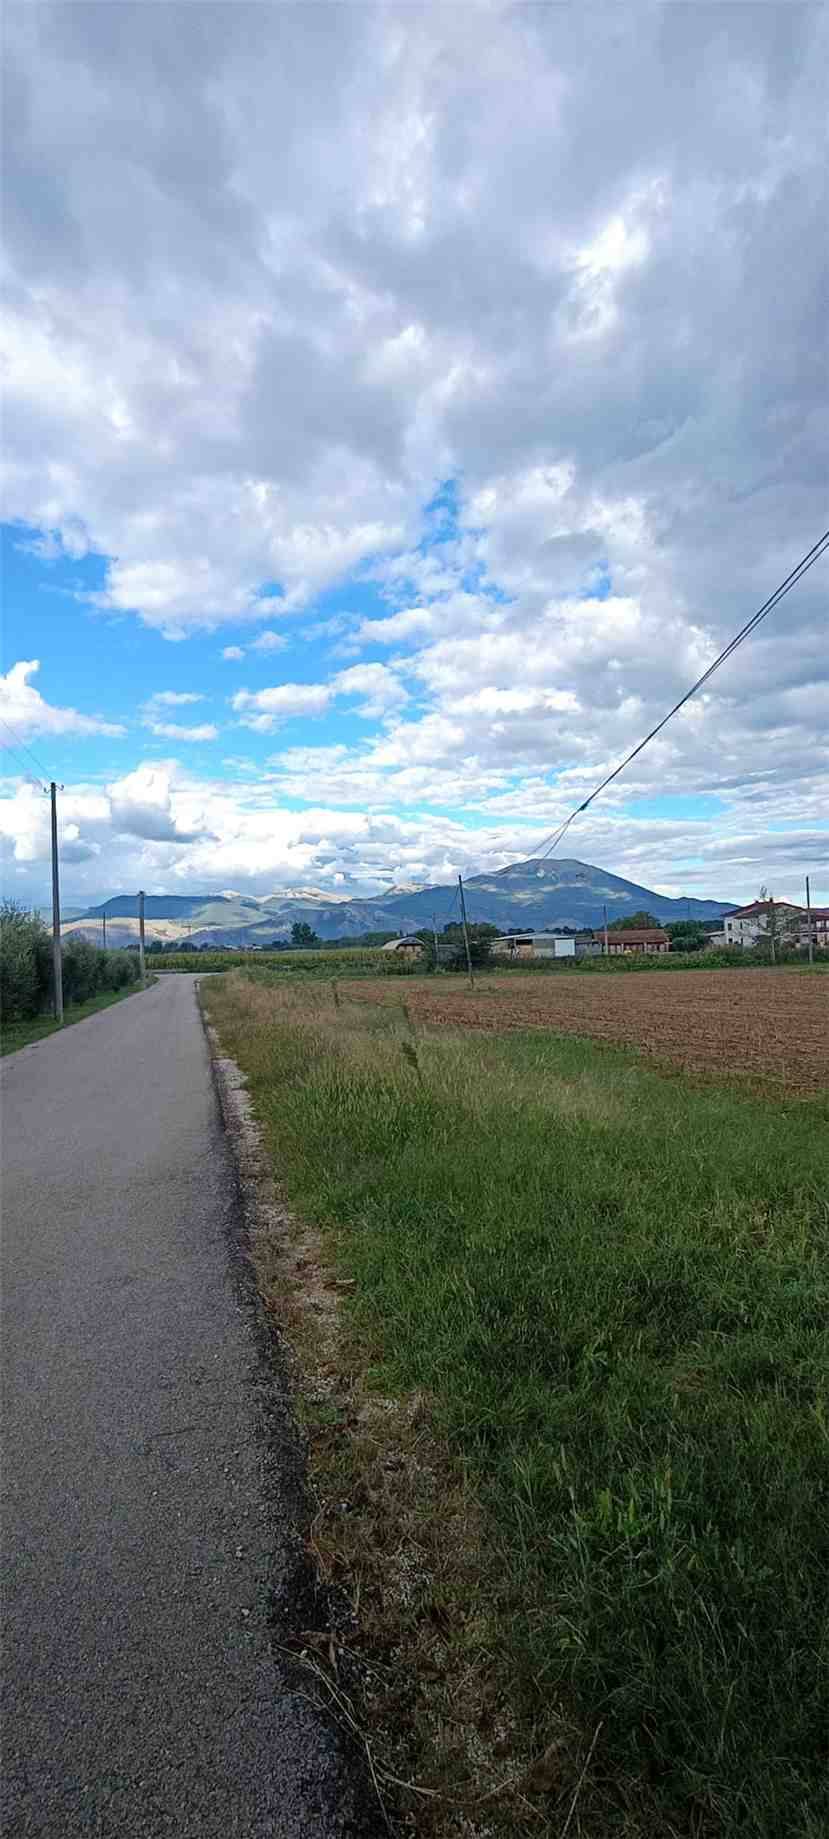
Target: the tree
pixel 638 920
pixel 781 931
pixel 687 935
pixel 304 935
pixel 481 935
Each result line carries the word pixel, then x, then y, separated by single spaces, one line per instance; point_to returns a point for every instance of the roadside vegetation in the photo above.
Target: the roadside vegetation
pixel 567 1317
pixel 91 978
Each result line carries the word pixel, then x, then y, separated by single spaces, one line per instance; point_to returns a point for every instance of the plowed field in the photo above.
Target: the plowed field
pixel 766 1025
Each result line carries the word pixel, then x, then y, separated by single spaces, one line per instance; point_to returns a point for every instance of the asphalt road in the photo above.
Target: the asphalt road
pixel 151 1499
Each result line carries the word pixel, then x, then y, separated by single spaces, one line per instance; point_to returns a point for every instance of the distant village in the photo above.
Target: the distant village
pixel 767 927
pixel 780 926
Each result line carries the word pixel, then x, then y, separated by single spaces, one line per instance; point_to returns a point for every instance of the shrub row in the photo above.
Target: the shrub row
pixel 26 966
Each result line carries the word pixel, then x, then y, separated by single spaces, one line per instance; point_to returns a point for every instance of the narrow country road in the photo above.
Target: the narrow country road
pixel 150 1493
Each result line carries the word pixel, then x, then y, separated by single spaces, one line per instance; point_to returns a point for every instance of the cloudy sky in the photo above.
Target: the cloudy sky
pixel 403 405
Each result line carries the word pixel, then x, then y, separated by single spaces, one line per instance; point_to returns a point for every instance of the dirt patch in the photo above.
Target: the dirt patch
pixel 768 1026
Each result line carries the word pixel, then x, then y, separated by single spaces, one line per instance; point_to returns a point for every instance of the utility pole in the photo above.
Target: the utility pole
pixel 466 935
pixel 141 960
pixel 435 937
pixel 104 918
pixel 57 961
pixel 809 920
pixel 772 928
pixel 606 945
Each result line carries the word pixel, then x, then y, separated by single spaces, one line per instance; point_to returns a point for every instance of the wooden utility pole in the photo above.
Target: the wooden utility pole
pixel 141 959
pixel 57 961
pixel 435 937
pixel 809 921
pixel 606 945
pixel 466 934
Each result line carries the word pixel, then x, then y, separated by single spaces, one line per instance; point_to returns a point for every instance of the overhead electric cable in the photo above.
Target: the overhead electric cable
pixel 21 745
pixel 812 555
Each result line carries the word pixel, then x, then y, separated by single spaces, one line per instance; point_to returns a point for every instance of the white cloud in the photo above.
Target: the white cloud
pixel 164 829
pixel 263 709
pixel 248 381
pixel 379 687
pixel 153 711
pixel 173 699
pixel 179 731
pixel 25 712
pixel 269 641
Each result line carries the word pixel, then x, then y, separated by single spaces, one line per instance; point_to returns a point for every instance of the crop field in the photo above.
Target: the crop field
pixel 766 1025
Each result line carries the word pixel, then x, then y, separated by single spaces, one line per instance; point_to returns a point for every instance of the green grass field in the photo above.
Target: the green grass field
pixel 614 1288
pixel 21 1034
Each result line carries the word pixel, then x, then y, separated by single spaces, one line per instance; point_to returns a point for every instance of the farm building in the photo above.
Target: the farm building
pixel 820 929
pixel 405 948
pixel 534 945
pixel 638 938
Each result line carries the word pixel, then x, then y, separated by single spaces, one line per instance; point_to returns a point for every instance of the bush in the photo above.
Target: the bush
pixel 25 962
pixel 87 969
pixel 26 966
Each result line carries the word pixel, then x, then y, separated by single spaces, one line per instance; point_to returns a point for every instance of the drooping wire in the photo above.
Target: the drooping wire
pixel 19 746
pixel 812 555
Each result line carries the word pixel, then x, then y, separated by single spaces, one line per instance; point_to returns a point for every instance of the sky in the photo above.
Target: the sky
pixel 403 405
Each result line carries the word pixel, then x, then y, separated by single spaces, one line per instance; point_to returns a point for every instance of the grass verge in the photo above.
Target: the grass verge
pixel 567 1324
pixel 14 1035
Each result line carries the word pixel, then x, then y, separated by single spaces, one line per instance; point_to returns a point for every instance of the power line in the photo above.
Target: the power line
pixel 19 744
pixel 812 555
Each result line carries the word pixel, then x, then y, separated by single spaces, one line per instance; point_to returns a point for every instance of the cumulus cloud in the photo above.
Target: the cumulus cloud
pixel 152 716
pixel 174 699
pixel 536 252
pixel 25 712
pixel 166 830
pixel 180 731
pixel 269 641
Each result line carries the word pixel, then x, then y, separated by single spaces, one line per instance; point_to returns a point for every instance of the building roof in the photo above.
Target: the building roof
pixel 761 906
pixel 409 939
pixel 639 935
pixel 531 938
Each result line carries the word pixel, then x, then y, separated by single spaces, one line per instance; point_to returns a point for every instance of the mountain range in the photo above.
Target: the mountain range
pixel 539 894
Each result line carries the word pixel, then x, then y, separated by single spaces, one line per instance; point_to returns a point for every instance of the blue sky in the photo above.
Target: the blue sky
pixel 460 405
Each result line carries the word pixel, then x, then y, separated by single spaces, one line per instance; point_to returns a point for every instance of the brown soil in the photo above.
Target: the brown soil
pixel 771 1026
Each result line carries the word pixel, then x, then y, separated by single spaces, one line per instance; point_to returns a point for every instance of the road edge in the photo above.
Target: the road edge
pixel 301 1601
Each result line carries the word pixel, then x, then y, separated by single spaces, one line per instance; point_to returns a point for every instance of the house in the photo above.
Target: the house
pixel 534 945
pixel 820 929
pixel 649 939
pixel 745 925
pixel 407 947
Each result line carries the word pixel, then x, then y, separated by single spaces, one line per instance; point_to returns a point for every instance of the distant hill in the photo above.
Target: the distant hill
pixel 540 894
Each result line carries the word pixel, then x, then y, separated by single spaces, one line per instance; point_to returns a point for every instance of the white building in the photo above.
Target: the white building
pixel 534 945
pixel 748 924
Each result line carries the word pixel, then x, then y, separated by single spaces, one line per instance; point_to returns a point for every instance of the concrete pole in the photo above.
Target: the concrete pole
pixel 466 934
pixel 142 964
pixel 809 920
pixel 57 961
pixel 435 937
pixel 606 945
